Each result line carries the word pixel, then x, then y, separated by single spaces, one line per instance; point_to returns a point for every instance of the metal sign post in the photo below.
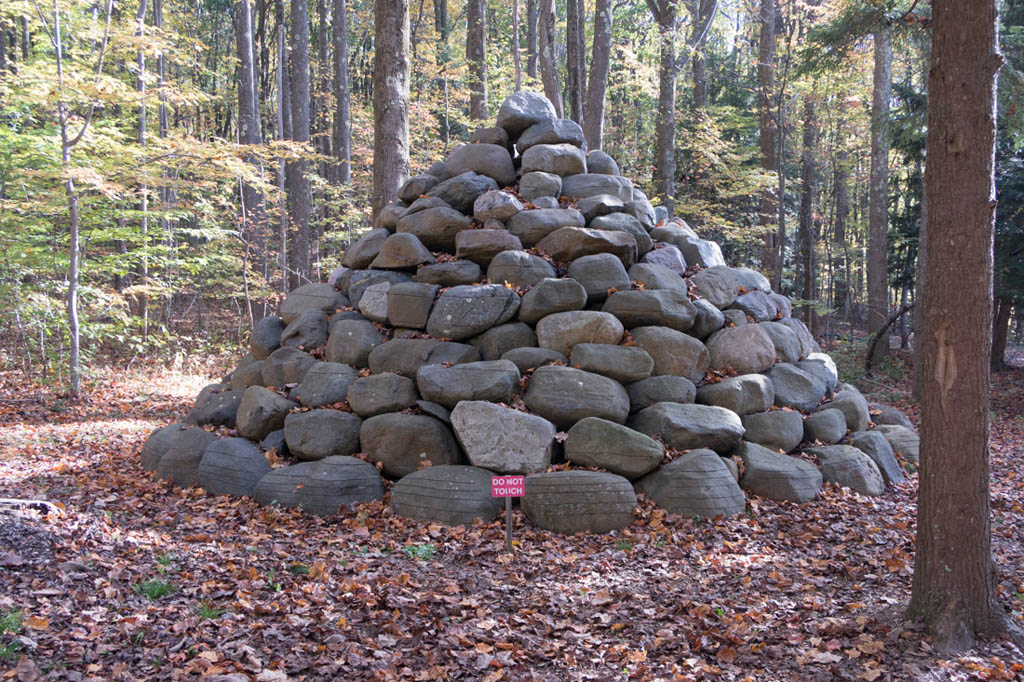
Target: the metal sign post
pixel 508 487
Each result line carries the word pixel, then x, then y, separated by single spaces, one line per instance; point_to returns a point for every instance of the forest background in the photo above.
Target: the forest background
pixel 206 185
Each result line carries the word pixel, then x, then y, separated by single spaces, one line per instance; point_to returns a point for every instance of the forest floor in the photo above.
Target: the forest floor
pixel 136 580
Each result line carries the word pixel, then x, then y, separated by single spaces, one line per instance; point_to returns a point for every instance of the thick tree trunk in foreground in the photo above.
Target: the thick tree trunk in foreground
pixel 342 170
pixel 768 130
pixel 954 574
pixel 575 61
pixel 878 218
pixel 299 199
pixel 546 47
pixel 390 100
pixel 664 12
pixel 597 85
pixel 476 56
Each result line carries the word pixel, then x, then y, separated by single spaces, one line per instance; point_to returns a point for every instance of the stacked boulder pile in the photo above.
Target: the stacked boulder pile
pixel 523 309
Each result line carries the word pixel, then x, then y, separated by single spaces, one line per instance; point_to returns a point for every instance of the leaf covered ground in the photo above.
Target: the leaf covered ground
pixel 136 580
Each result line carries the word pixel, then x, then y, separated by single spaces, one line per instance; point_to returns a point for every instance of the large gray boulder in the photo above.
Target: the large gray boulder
pixel 484 159
pixel 360 254
pixel 666 255
pixel 481 246
pixel 285 366
pixel 565 395
pixel 776 429
pixel 381 393
pixel 216 405
pixel 717 285
pixel 795 388
pixel 589 184
pixel 561 331
pixel 850 468
pixel 569 243
pixel 180 464
pixel 321 297
pixel 625 364
pixel 494 205
pixel 579 501
pixel 280 487
pixel 660 389
pixel 307 331
pixel 413 188
pixel 232 466
pixel 266 337
pixel 599 205
pixel 552 295
pixel 248 373
pixel 600 443
pixel 322 433
pixel 559 159
pixel 600 162
pixel 685 426
pixel 623 222
pixel 325 383
pixel 436 228
pixel 779 477
pixel 465 311
pixel 659 308
pixel 335 481
pixel 403 443
pixel 361 280
pixel 674 234
pixel 557 131
pixel 887 414
pixel 703 252
pixel 904 442
pixel 534 225
pixel 744 394
pixel 823 367
pixel 373 305
pixel 502 439
pixel 756 305
pixel 877 447
pixel 854 406
pixel 673 351
pixel 157 445
pixel 461 191
pixel 657 277
pixel 409 304
pixel 707 321
pixel 449 274
pixel 600 275
pixel 695 484
pixel 494 381
pixel 518 269
pixel 539 184
pixel 787 345
pixel 528 359
pixel 522 109
pixel 497 341
pixel 747 350
pixel 261 411
pixel 807 343
pixel 406 356
pixel 351 341
pixel 402 251
pixel 452 494
pixel 826 426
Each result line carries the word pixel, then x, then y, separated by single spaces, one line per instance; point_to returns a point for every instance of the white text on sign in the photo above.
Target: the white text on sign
pixel 508 486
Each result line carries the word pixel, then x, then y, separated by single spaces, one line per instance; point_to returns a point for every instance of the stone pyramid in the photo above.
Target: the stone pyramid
pixel 522 308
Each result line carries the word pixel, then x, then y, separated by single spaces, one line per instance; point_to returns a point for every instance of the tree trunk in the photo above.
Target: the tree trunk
pixel 575 62
pixel 517 57
pixel 342 170
pixel 299 198
pixel 807 198
pixel 548 65
pixel 593 114
pixel 476 56
pixel 1000 332
pixel 699 64
pixel 954 573
pixel 664 12
pixel 768 130
pixel 531 38
pixel 840 262
pixel 283 133
pixel 390 100
pixel 878 217
pixel 140 64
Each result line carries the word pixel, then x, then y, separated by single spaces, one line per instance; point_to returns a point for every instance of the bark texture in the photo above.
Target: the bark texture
pixel 768 131
pixel 808 193
pixel 548 64
pixel 342 170
pixel 390 100
pixel 531 38
pixel 954 574
pixel 476 56
pixel 574 59
pixel 664 12
pixel 597 84
pixel 299 199
pixel 878 217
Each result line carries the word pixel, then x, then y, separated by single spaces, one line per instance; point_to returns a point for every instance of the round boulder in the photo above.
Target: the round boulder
pixel 565 395
pixel 621 450
pixel 402 443
pixel 579 501
pixel 451 494
pixel 501 439
pixel 686 427
pixel 322 433
pixel 698 483
pixel 232 466
pixel 465 311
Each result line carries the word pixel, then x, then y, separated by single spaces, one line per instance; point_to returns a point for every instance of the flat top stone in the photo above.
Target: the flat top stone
pixel 522 109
